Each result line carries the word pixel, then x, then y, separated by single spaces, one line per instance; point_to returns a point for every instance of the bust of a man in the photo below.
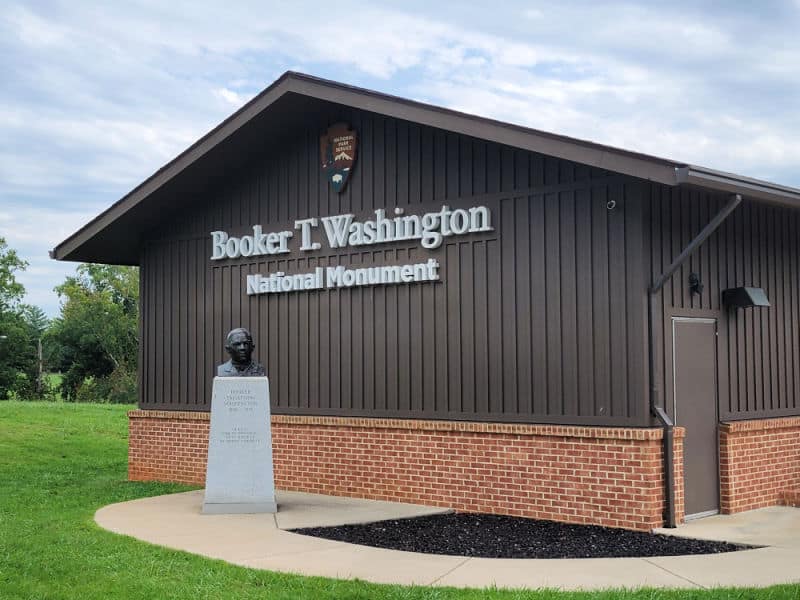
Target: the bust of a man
pixel 239 345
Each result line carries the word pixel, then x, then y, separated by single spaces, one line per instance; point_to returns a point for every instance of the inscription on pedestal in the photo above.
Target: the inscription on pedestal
pixel 239 476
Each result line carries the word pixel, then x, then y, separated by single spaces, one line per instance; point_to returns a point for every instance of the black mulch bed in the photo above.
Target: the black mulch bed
pixel 497 536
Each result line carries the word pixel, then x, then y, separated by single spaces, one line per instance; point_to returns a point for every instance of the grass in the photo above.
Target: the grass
pixel 54 379
pixel 60 462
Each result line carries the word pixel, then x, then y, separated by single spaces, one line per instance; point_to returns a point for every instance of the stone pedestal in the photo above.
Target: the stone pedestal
pixel 239 476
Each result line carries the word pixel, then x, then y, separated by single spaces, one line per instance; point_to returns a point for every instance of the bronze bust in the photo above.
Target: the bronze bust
pixel 239 345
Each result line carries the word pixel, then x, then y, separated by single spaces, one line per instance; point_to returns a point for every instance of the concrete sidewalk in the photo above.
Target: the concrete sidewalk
pixel 259 541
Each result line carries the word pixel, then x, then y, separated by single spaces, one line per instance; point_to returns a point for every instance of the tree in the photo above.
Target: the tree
pixel 37 323
pixel 18 370
pixel 96 334
pixel 35 318
pixel 11 291
pixel 18 366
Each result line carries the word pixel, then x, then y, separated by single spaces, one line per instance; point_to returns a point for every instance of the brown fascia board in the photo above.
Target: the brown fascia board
pixel 582 151
pixel 597 155
pixel 721 181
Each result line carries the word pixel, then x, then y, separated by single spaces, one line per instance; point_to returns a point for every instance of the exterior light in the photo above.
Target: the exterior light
pixel 695 285
pixel 744 297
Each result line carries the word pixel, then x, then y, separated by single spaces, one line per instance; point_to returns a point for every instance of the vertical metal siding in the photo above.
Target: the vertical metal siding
pixel 542 321
pixel 756 246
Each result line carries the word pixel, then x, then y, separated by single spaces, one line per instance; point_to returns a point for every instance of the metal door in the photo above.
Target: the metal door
pixel 694 354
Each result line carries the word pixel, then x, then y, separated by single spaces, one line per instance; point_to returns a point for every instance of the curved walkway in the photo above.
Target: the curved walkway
pixel 259 541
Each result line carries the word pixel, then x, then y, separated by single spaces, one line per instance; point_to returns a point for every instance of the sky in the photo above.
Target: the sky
pixel 95 97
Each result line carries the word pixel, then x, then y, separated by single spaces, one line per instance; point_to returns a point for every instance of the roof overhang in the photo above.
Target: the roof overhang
pixel 122 225
pixel 736 184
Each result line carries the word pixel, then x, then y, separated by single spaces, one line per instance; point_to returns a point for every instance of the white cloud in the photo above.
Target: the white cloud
pixel 533 13
pixel 233 98
pixel 34 30
pixel 32 232
pixel 23 224
pixel 96 97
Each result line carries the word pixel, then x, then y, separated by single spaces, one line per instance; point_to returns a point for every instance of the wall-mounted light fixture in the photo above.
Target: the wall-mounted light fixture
pixel 695 286
pixel 744 297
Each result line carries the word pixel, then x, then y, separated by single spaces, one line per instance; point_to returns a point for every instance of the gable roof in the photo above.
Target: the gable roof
pixel 113 236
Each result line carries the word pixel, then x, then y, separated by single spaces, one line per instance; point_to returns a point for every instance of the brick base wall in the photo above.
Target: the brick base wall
pixel 791 498
pixel 606 476
pixel 759 462
pixel 168 446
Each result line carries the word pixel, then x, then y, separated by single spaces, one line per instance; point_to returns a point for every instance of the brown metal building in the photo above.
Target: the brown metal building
pixel 552 369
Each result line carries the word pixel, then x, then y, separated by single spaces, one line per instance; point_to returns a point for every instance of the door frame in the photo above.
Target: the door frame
pixel 715 321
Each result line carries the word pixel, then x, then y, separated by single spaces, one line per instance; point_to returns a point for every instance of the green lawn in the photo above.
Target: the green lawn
pixel 54 379
pixel 61 462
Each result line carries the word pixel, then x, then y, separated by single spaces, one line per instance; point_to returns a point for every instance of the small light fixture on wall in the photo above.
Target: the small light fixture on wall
pixel 744 297
pixel 695 285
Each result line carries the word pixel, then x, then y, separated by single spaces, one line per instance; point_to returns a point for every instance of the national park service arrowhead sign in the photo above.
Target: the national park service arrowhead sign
pixel 337 149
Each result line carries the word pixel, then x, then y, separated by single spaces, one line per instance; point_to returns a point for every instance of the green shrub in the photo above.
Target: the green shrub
pixel 120 387
pixel 117 388
pixel 24 388
pixel 88 391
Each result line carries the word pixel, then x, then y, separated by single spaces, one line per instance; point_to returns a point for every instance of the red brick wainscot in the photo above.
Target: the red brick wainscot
pixel 602 475
pixel 759 463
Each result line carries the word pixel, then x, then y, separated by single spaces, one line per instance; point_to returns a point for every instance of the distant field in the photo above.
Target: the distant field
pixel 54 379
pixel 60 462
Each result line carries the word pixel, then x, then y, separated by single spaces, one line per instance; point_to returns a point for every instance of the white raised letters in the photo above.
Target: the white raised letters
pixel 342 231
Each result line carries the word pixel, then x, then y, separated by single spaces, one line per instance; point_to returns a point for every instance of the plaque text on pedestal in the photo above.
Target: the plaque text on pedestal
pixel 239 476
